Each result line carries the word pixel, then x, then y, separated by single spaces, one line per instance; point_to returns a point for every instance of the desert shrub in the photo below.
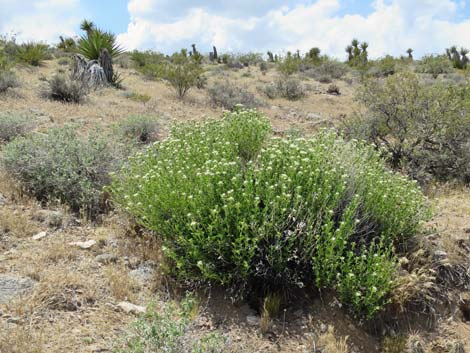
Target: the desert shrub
pixel 286 87
pixel 32 53
pixel 170 332
pixel 289 65
pixel 423 128
pixel 149 63
pixel 64 61
pixel 61 166
pixel 90 45
pixel 383 67
pixel 8 80
pixel 139 129
pixel 62 88
pixel 13 125
pixel 182 73
pixel 333 89
pixel 327 71
pixel 263 67
pixel 228 95
pixel 434 65
pixel 237 208
pixel 137 97
pixel 246 59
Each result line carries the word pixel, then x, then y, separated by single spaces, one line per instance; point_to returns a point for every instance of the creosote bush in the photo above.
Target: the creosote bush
pixel 285 87
pixel 236 207
pixel 422 128
pixel 61 166
pixel 228 95
pixel 435 65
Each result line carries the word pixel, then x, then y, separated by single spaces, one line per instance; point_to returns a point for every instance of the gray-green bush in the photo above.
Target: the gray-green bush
pixel 13 125
pixel 61 166
pixel 422 128
pixel 139 129
pixel 64 89
pixel 228 95
pixel 285 87
pixel 235 207
pixel 434 65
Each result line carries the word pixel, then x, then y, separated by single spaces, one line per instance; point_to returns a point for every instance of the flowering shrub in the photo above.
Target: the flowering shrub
pixel 237 208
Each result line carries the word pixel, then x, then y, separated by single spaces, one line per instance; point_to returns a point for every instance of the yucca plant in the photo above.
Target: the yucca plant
pixel 32 53
pixel 90 45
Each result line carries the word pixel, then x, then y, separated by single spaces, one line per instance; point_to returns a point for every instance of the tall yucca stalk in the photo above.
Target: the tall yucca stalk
pixel 90 45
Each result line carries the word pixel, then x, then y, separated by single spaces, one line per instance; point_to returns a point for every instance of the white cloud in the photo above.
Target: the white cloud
pixel 392 26
pixel 41 20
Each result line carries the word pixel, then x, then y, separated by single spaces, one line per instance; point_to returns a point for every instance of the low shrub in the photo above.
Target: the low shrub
pixel 237 208
pixel 139 129
pixel 289 65
pixel 8 80
pixel 333 89
pixel 228 95
pixel 32 53
pixel 137 97
pixel 13 125
pixel 383 67
pixel 182 73
pixel 422 128
pixel 435 65
pixel 62 88
pixel 328 71
pixel 170 332
pixel 285 87
pixel 61 166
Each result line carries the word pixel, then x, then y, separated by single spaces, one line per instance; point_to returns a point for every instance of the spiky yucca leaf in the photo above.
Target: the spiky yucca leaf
pixel 91 45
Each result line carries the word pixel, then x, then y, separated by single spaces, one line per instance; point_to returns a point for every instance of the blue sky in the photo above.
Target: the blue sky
pixel 390 26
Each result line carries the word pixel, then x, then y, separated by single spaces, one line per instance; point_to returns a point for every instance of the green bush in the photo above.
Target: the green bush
pixel 8 80
pixel 32 53
pixel 435 65
pixel 383 67
pixel 169 332
pixel 63 89
pixel 423 128
pixel 13 125
pixel 61 166
pixel 182 73
pixel 237 208
pixel 90 45
pixel 228 95
pixel 139 129
pixel 289 65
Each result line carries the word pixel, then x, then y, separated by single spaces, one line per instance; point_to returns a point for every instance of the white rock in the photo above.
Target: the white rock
pixel 84 244
pixel 131 308
pixel 39 236
pixel 253 320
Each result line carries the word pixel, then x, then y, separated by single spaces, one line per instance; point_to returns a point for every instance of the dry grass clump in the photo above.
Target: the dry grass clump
pixel 330 343
pixel 16 223
pixel 120 284
pixel 59 289
pixel 58 252
pixel 21 339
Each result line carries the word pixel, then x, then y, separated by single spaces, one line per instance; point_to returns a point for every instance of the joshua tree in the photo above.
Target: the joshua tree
pixel 356 50
pixel 464 60
pixel 270 56
pixel 214 53
pixel 87 26
pixel 364 53
pixel 194 52
pixel 314 53
pixel 349 50
pixel 410 53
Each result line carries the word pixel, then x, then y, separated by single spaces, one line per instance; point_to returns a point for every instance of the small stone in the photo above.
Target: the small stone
pixel 440 254
pixel 84 244
pixel 3 200
pixel 11 287
pixel 323 328
pixel 39 236
pixel 130 308
pixel 106 258
pixel 253 320
pixel 313 116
